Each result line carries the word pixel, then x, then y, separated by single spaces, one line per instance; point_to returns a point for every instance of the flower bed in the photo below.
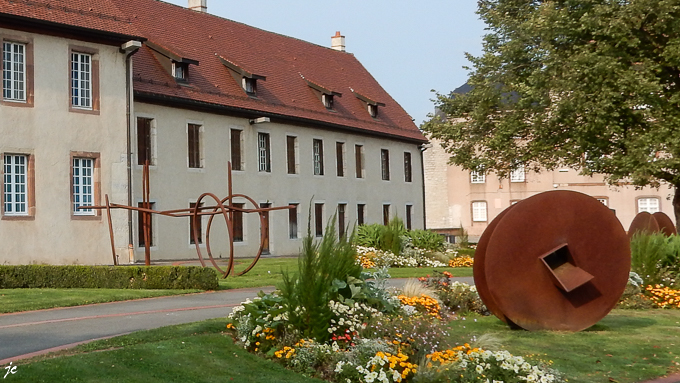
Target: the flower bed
pixel 664 297
pixel 370 257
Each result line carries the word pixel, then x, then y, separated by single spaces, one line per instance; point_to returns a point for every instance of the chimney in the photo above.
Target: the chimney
pixel 198 5
pixel 338 42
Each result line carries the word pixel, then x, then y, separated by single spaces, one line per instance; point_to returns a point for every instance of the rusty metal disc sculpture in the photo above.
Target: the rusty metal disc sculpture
pixel 556 261
pixel 658 222
pixel 643 222
pixel 666 226
pixel 224 207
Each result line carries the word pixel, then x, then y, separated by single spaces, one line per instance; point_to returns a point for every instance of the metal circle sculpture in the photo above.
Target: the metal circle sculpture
pixel 226 211
pixel 556 261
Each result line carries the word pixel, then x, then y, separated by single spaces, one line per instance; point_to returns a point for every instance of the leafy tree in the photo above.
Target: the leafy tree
pixel 589 84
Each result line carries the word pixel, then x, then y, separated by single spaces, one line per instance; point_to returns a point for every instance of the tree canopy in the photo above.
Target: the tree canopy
pixel 589 84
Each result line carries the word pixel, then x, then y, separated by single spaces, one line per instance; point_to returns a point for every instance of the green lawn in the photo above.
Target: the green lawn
pixel 626 346
pixel 196 352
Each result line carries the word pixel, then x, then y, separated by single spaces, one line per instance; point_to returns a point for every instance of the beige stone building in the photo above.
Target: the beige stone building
pixel 62 131
pixel 302 124
pixel 457 199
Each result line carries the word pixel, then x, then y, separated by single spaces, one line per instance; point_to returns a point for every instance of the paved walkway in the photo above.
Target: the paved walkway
pixel 31 333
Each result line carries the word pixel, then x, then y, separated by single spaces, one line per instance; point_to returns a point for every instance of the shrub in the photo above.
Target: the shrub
pixel 649 254
pixel 108 277
pixel 426 239
pixel 386 238
pixel 456 296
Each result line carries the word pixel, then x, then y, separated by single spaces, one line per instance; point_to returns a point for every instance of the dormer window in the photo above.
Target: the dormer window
pixel 327 100
pixel 174 61
pixel 249 85
pixel 372 110
pixel 326 95
pixel 247 79
pixel 370 104
pixel 180 71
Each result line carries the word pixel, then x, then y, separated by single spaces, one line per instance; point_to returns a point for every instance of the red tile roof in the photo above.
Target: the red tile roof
pixel 283 60
pixel 99 15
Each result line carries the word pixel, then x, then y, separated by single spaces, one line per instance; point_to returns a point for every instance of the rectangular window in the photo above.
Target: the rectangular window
pixel 408 171
pixel 318 157
pixel 340 158
pixel 81 80
pixel 385 164
pixel 263 152
pixel 318 219
pixel 194 145
pixel 293 222
pixel 650 205
pixel 237 222
pixel 199 226
pixel 386 214
pixel 14 71
pixel 479 211
pixel 517 175
pixel 144 141
pixel 236 150
pixel 140 224
pixel 361 208
pixel 409 217
pixel 291 144
pixel 342 207
pixel 359 160
pixel 477 177
pixel 15 184
pixel 83 185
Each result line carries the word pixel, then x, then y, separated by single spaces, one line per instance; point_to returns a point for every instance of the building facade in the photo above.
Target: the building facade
pixel 458 199
pixel 301 124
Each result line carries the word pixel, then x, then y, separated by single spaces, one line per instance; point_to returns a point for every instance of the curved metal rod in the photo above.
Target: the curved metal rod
pixel 196 216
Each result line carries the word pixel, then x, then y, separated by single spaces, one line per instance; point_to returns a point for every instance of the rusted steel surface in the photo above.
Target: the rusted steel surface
pixel 643 222
pixel 666 226
pixel 478 267
pixel 556 261
pixel 223 207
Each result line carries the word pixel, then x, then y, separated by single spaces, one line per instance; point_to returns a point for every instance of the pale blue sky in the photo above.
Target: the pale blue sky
pixel 409 46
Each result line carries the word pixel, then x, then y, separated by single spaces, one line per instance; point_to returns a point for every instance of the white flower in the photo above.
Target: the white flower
pixel 479 369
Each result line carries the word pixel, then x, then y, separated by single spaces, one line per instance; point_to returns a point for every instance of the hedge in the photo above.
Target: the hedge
pixel 108 277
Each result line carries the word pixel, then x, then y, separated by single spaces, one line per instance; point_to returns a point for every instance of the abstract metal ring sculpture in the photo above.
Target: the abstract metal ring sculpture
pixel 224 207
pixel 556 261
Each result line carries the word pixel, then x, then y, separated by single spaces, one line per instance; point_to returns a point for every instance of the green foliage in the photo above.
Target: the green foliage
pixel 427 240
pixel 326 271
pixel 108 277
pixel 469 252
pixel 591 85
pixel 649 256
pixel 382 237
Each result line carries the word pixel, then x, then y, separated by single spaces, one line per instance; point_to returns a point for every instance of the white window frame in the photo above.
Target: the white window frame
pixel 264 152
pixel 83 185
pixel 13 71
pixel 649 204
pixel 477 177
pixel 317 150
pixel 15 182
pixel 518 174
pixel 479 212
pixel 81 80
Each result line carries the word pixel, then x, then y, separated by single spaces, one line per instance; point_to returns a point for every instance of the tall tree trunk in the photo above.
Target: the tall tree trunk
pixel 676 206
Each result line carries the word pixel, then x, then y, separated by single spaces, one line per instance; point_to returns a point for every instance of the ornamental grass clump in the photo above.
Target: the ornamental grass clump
pixel 327 271
pixel 654 257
